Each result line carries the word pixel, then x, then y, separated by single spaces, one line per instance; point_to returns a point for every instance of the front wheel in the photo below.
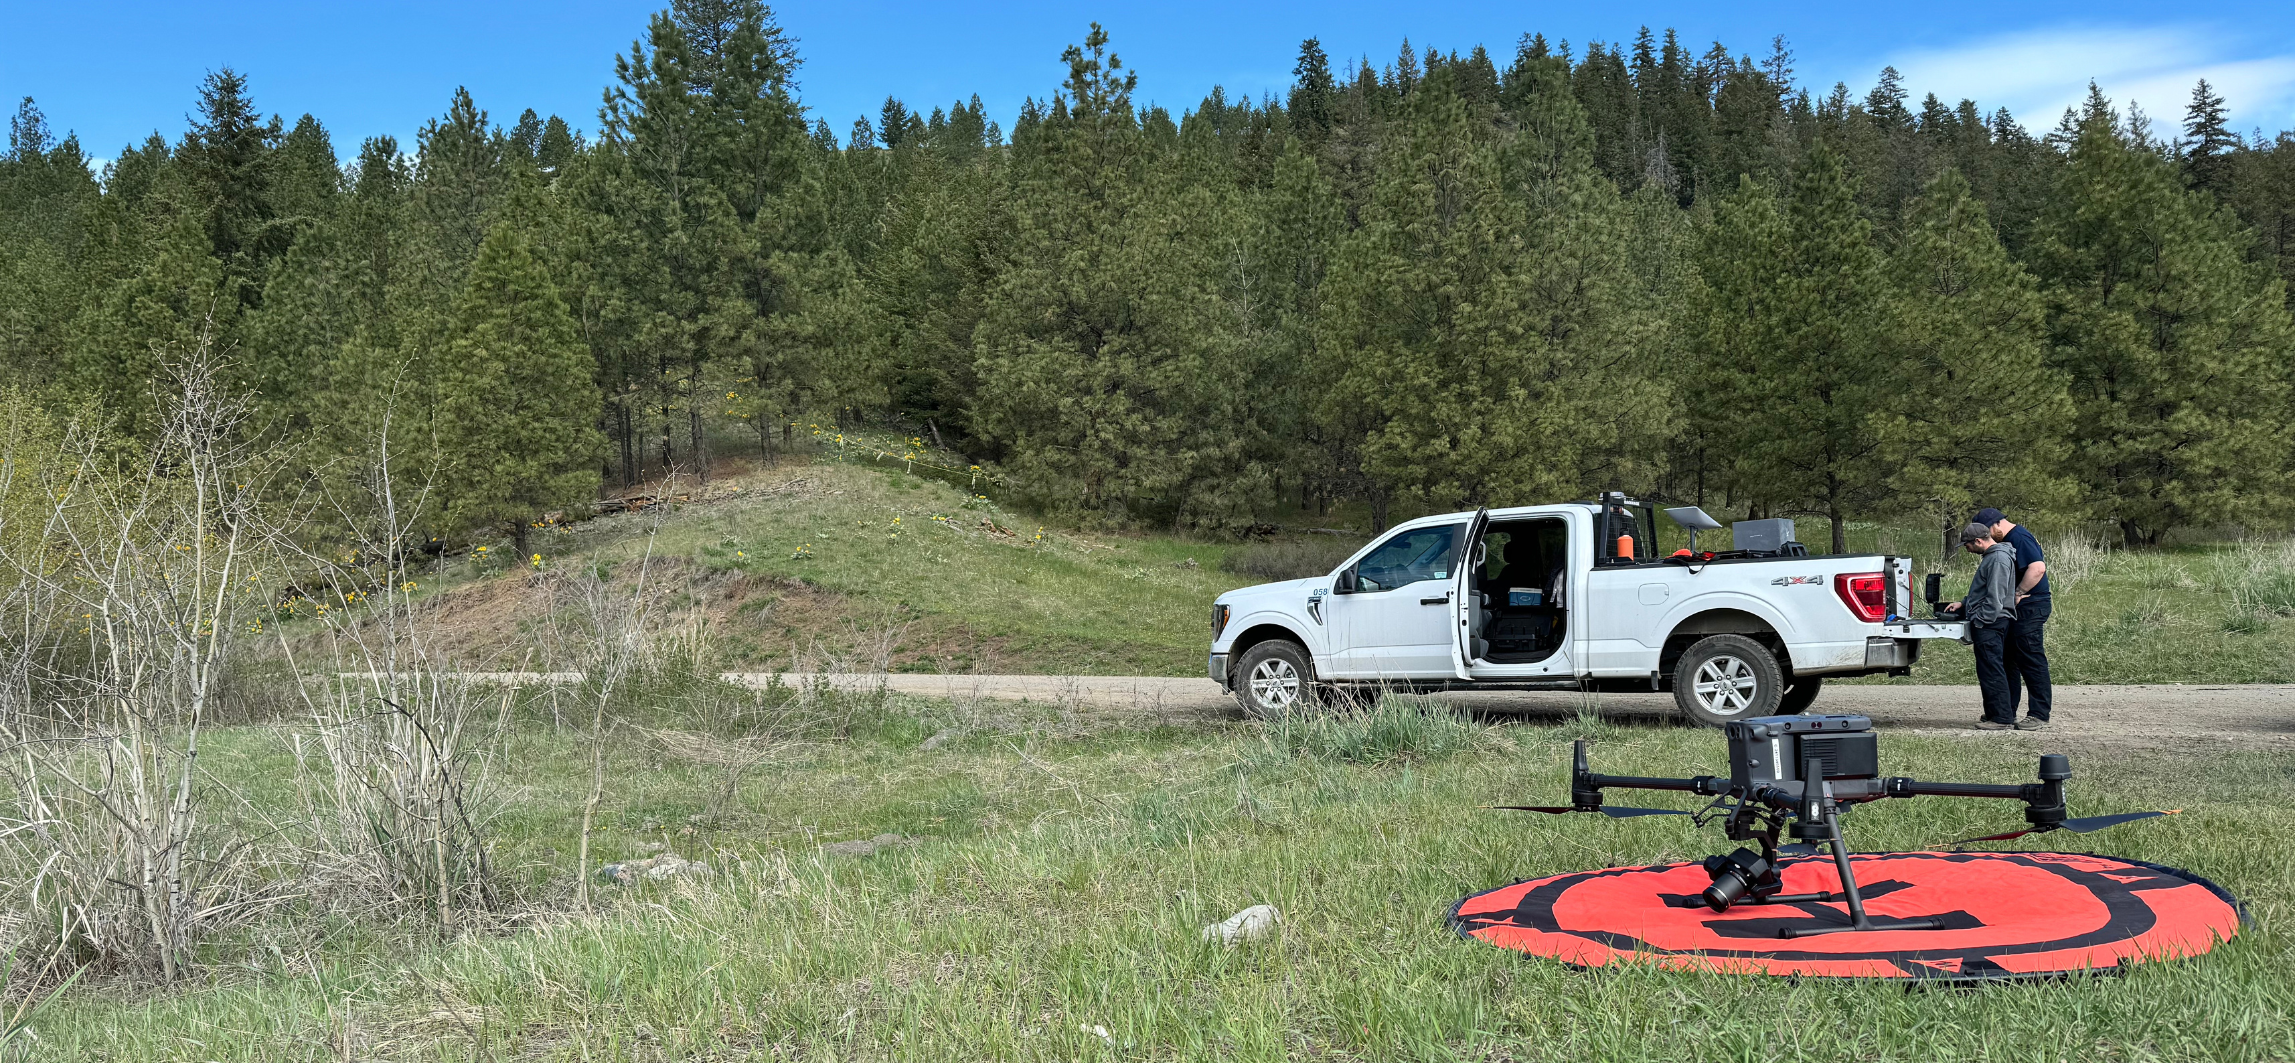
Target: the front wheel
pixel 1273 678
pixel 1727 677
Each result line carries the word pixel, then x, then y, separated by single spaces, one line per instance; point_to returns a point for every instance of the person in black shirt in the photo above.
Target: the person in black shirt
pixel 2027 656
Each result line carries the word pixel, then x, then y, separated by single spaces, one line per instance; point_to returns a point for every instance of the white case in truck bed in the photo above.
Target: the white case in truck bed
pixel 1555 597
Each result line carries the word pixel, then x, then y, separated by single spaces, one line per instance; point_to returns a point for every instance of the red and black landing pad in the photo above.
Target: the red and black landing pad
pixel 2007 915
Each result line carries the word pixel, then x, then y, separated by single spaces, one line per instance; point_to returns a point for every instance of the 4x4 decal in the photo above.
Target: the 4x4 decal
pixel 1791 581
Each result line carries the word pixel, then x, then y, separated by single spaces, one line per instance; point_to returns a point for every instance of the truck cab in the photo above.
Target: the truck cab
pixel 1571 596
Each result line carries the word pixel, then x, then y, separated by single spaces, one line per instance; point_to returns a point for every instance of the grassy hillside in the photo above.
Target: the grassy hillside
pixel 833 564
pixel 1058 872
pixel 815 564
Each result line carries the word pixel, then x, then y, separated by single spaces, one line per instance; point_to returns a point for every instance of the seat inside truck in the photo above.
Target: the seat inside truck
pixel 1520 609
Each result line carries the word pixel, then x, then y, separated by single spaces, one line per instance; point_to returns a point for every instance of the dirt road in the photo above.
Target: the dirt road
pixel 2135 715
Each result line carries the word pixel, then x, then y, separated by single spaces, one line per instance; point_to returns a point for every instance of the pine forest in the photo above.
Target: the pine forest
pixel 1506 276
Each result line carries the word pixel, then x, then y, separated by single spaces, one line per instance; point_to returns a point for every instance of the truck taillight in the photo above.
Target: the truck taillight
pixel 1865 593
pixel 1218 620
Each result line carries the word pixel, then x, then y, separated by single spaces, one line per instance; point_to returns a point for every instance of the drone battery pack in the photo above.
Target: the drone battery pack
pixel 1766 750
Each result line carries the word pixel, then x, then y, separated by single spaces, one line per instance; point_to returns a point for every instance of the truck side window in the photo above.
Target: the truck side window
pixel 1408 557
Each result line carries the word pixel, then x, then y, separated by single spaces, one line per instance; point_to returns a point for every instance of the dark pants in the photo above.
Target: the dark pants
pixel 1991 644
pixel 2028 660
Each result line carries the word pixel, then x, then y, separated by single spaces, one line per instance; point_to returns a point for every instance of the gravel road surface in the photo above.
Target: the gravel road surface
pixel 2122 715
pixel 2138 715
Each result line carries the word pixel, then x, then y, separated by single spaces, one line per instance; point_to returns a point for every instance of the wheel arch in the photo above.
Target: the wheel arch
pixel 1720 620
pixel 1265 631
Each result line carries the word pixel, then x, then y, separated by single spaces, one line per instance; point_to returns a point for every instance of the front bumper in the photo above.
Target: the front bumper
pixel 1219 670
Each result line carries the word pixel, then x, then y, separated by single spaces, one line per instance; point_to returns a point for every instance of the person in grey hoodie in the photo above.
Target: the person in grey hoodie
pixel 1990 608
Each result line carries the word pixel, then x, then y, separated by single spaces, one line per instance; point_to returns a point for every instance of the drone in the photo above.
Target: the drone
pixel 1797 775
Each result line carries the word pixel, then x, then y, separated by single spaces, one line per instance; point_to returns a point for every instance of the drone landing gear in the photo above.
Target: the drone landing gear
pixel 1858 920
pixel 1743 877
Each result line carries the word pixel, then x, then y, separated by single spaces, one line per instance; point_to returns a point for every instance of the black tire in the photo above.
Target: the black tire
pixel 1285 679
pixel 1799 695
pixel 1727 677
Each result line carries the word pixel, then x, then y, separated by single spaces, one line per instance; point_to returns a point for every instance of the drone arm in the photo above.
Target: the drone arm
pixel 1703 784
pixel 1586 786
pixel 1903 787
pixel 2043 800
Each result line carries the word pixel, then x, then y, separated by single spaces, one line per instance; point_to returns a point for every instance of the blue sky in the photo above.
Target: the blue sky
pixel 116 71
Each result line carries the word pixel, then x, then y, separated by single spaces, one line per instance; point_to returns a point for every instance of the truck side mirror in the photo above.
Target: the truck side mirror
pixel 1344 583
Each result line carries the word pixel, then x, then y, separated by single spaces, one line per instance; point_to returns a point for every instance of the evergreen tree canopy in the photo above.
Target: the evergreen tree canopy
pixel 2171 341
pixel 515 396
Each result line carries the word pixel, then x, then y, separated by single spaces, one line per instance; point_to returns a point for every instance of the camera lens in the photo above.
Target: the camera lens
pixel 1728 887
pixel 1733 877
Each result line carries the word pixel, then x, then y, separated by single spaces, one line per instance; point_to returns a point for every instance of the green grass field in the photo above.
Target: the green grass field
pixel 1065 858
pixel 1064 866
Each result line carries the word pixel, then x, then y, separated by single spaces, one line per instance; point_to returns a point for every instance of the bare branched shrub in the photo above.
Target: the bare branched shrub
pixel 406 803
pixel 123 593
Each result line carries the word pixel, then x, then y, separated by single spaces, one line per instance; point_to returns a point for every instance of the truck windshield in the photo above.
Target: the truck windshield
pixel 1410 556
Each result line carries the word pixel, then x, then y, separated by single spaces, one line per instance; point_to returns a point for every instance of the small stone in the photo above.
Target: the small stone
pixel 1250 924
pixel 867 846
pixel 653 869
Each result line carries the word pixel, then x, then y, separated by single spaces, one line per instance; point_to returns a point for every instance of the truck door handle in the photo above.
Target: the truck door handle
pixel 1444 600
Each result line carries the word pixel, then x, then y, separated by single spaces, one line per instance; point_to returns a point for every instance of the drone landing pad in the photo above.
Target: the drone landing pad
pixel 2007 915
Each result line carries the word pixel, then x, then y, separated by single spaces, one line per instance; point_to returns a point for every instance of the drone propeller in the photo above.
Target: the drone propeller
pixel 2087 825
pixel 1611 811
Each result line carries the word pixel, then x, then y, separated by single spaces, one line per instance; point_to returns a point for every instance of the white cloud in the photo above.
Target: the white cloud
pixel 2037 74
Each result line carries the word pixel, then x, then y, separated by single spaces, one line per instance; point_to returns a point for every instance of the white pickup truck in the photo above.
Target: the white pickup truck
pixel 1567 597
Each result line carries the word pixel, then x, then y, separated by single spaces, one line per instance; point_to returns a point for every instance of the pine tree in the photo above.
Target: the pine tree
pixel 305 176
pixel 517 405
pixel 1483 319
pixel 526 136
pixel 557 147
pixel 2208 142
pixel 1311 93
pixel 226 164
pixel 1982 412
pixel 45 263
pixel 1886 103
pixel 1107 352
pixel 169 291
pixel 1792 324
pixel 2170 339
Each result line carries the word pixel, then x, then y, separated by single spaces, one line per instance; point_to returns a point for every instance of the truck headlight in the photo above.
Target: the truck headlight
pixel 1218 619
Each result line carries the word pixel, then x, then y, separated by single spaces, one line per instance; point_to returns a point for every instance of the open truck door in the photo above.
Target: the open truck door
pixel 1465 603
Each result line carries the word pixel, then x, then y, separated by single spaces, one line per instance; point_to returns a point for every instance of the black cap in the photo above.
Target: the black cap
pixel 1989 515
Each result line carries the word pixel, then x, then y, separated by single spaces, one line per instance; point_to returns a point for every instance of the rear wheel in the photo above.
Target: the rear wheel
pixel 1727 677
pixel 1273 678
pixel 1799 695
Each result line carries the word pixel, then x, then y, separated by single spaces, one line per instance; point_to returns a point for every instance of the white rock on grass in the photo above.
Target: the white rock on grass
pixel 1250 924
pixel 867 846
pixel 653 869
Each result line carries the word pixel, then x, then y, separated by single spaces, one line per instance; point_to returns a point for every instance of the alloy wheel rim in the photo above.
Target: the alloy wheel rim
pixel 1725 685
pixel 1274 683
